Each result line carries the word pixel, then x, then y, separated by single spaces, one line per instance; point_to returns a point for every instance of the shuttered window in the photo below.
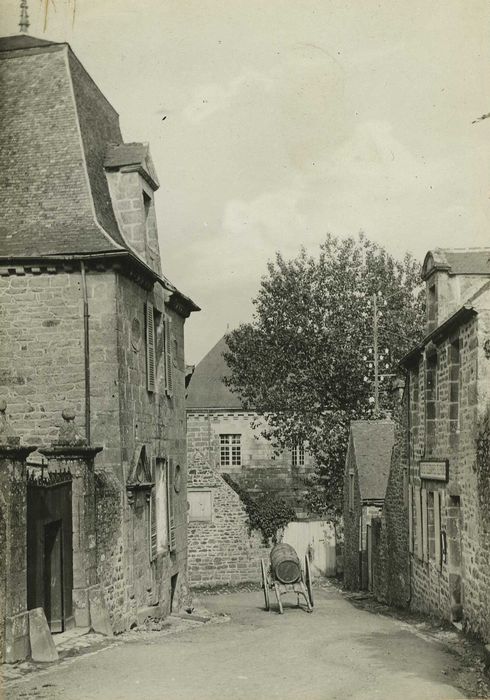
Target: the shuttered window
pixel 150 348
pixel 172 542
pixel 169 379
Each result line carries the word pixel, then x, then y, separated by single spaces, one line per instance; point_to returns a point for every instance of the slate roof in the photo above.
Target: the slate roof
pixel 458 261
pixel 206 387
pixel 22 41
pixel 372 442
pixel 55 127
pixel 56 130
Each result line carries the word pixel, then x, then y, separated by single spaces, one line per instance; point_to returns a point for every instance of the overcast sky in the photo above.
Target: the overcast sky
pixel 287 119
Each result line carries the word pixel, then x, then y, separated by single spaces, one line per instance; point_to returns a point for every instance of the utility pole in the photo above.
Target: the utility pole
pixel 375 353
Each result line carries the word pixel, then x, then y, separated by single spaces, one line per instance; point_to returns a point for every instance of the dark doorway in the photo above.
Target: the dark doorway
pixel 53 575
pixel 49 550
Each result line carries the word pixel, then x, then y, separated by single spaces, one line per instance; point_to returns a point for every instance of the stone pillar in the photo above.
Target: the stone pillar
pixel 14 620
pixel 71 454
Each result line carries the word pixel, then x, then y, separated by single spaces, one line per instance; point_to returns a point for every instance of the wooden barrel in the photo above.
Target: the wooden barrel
pixel 285 564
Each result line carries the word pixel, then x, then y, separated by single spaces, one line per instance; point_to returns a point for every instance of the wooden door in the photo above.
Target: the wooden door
pixel 50 552
pixel 53 575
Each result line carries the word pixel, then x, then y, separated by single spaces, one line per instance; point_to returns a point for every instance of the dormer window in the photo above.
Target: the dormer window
pixel 432 306
pixel 147 206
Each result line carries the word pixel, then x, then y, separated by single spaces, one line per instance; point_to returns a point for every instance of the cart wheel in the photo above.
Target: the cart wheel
pixel 308 579
pixel 265 585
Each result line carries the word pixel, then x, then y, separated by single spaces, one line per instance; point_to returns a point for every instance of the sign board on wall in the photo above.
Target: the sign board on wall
pixel 435 470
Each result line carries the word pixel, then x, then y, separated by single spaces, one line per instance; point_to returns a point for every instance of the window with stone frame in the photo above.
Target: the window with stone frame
pixel 432 306
pixel 298 454
pixel 430 402
pixel 431 525
pixel 230 450
pixel 414 411
pixel 160 489
pixel 454 366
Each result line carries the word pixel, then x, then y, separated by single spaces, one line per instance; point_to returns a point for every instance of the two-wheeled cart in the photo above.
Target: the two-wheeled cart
pixel 285 575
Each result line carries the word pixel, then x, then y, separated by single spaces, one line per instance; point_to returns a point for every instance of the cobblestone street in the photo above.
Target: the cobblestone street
pixel 345 649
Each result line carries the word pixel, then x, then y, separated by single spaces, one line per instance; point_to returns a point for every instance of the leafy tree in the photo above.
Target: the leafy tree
pixel 304 360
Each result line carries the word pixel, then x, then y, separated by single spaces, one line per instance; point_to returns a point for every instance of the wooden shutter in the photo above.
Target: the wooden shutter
pixel 169 380
pixel 150 348
pixel 170 507
pixel 153 524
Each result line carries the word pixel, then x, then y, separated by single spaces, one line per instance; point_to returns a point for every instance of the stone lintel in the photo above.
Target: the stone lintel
pixel 16 453
pixel 82 452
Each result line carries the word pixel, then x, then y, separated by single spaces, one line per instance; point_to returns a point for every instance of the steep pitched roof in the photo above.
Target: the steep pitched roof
pixel 55 127
pixel 457 261
pixel 22 41
pixel 206 387
pixel 372 442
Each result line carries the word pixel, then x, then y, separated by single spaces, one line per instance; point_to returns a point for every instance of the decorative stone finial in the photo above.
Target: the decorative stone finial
pixel 24 17
pixel 7 437
pixel 68 432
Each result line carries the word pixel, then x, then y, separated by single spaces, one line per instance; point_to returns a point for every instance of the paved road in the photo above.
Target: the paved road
pixel 338 652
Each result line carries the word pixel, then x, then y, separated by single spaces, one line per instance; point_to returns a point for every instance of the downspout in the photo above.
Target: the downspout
pixel 86 349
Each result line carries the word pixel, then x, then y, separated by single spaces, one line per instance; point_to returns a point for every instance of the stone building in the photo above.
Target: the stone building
pixel 448 434
pixel 89 325
pixel 223 438
pixel 390 561
pixel 367 466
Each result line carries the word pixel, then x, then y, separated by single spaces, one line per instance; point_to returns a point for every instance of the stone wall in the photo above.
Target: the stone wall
pixel 454 581
pixel 42 372
pixel 261 469
pixel 221 550
pixel 391 566
pixel 153 419
pixel 41 363
pixel 352 515
pixel 14 628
